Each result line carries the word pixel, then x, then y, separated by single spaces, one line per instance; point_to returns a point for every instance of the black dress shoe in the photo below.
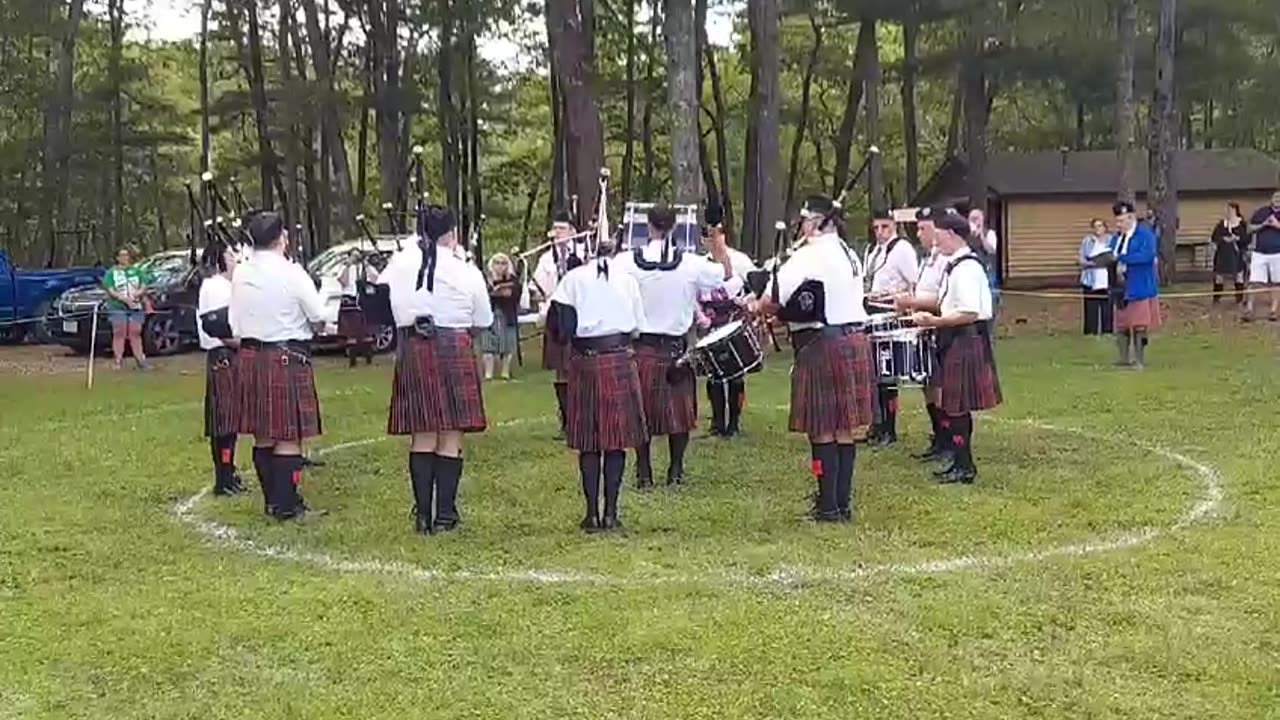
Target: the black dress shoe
pixel 224 491
pixel 237 484
pixel 611 524
pixel 826 517
pixel 675 479
pixel 421 524
pixel 644 483
pixel 444 526
pixel 958 476
pixel 846 515
pixel 302 515
pixel 590 525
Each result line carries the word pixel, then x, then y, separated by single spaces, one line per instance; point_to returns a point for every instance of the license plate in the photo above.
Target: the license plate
pixel 70 326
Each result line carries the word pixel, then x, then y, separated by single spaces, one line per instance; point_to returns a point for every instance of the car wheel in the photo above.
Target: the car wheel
pixel 39 331
pixel 160 335
pixel 12 334
pixel 384 339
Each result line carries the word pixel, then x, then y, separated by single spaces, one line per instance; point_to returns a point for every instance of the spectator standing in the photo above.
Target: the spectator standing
pixel 498 343
pixel 1264 265
pixel 1098 310
pixel 126 285
pixel 1230 240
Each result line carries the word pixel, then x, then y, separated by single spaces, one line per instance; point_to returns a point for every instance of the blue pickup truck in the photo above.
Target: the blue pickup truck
pixel 27 295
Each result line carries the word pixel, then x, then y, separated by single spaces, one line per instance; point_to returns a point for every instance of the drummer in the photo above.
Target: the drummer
pixel 892 270
pixel 717 308
pixel 927 287
pixel 962 315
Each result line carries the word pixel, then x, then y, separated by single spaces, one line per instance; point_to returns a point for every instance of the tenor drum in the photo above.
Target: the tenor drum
pixel 904 355
pixel 728 352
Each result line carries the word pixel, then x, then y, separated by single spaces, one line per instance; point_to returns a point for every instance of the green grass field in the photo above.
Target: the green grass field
pixel 121 598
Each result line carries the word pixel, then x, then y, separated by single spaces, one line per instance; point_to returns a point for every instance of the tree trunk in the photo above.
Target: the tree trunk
pixel 476 228
pixel 853 98
pixel 871 100
pixel 206 138
pixel 290 200
pixel 762 192
pixel 115 11
pixel 953 123
pixel 629 154
pixel 974 77
pixel 450 161
pixel 384 25
pixel 647 187
pixel 1125 112
pixel 910 117
pixel 583 129
pixel 557 199
pixel 1164 189
pixel 806 90
pixel 362 139
pixel 682 100
pixel 262 118
pixel 331 121
pixel 722 143
pixel 1081 119
pixel 710 186
pixel 56 170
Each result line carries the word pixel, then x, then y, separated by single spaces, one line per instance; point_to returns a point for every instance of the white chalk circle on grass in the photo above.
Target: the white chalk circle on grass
pixel 1206 505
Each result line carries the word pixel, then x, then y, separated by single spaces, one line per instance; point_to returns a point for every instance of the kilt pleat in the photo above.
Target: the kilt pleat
pixel 1140 313
pixel 278 399
pixel 669 408
pixel 352 323
pixel 605 410
pixel 832 385
pixel 221 393
pixel 970 382
pixel 436 387
pixel 555 356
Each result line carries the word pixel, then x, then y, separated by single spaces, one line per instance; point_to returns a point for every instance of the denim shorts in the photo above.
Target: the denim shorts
pixel 132 317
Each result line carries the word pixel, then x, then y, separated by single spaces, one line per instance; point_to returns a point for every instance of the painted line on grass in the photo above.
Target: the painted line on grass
pixel 1207 505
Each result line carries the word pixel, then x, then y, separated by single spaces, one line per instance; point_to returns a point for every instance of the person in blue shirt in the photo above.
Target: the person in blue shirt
pixel 1136 292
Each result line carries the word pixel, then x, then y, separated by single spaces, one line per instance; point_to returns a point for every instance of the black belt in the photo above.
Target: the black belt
pixel 670 342
pixel 298 346
pixel 981 328
pixel 602 344
pixel 413 331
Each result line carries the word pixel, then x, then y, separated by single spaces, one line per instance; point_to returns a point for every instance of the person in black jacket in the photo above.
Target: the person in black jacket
pixel 1230 241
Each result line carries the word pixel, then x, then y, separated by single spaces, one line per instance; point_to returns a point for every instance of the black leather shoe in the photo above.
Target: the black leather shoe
pixel 611 524
pixel 590 525
pixel 224 491
pixel 946 469
pixel 826 517
pixel 421 524
pixel 237 484
pixel 846 515
pixel 675 479
pixel 644 483
pixel 444 526
pixel 958 476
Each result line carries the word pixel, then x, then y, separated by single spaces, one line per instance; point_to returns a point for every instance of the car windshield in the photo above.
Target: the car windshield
pixel 166 269
pixel 329 263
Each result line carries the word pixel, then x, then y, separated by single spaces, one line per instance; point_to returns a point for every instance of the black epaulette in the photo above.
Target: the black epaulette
pixel 638 257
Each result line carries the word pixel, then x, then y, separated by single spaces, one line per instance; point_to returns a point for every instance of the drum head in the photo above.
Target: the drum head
pixel 719 334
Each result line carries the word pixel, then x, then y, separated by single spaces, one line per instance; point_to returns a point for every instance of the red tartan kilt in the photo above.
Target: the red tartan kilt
pixel 605 410
pixel 969 379
pixel 278 398
pixel 221 393
pixel 436 386
pixel 1140 314
pixel 352 324
pixel 555 356
pixel 833 385
pixel 669 408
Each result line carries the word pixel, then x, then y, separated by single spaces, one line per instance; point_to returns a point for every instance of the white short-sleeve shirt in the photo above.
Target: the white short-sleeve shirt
pixel 460 298
pixel 670 296
pixel 215 294
pixel 827 259
pixel 607 303
pixel 965 287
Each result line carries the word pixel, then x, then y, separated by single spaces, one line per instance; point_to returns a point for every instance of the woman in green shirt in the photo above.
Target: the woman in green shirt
pixel 126 286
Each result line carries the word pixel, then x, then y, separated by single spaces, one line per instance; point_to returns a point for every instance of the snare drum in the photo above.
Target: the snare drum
pixel 904 355
pixel 884 323
pixel 727 353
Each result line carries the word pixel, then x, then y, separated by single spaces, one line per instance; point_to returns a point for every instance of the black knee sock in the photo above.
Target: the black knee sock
pixel 847 457
pixel 826 466
pixel 1239 293
pixel 946 433
pixel 262 467
pixel 215 454
pixel 1217 292
pixel 935 417
pixel 716 396
pixel 737 398
pixel 677 443
pixel 644 463
pixel 615 463
pixel 562 403
pixel 286 479
pixel 448 478
pixel 589 468
pixel 961 435
pixel 422 471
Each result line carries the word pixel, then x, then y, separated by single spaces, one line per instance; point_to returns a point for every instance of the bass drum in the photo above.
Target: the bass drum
pixel 728 352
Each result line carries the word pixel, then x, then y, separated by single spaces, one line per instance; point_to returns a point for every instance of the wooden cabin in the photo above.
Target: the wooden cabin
pixel 1041 203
